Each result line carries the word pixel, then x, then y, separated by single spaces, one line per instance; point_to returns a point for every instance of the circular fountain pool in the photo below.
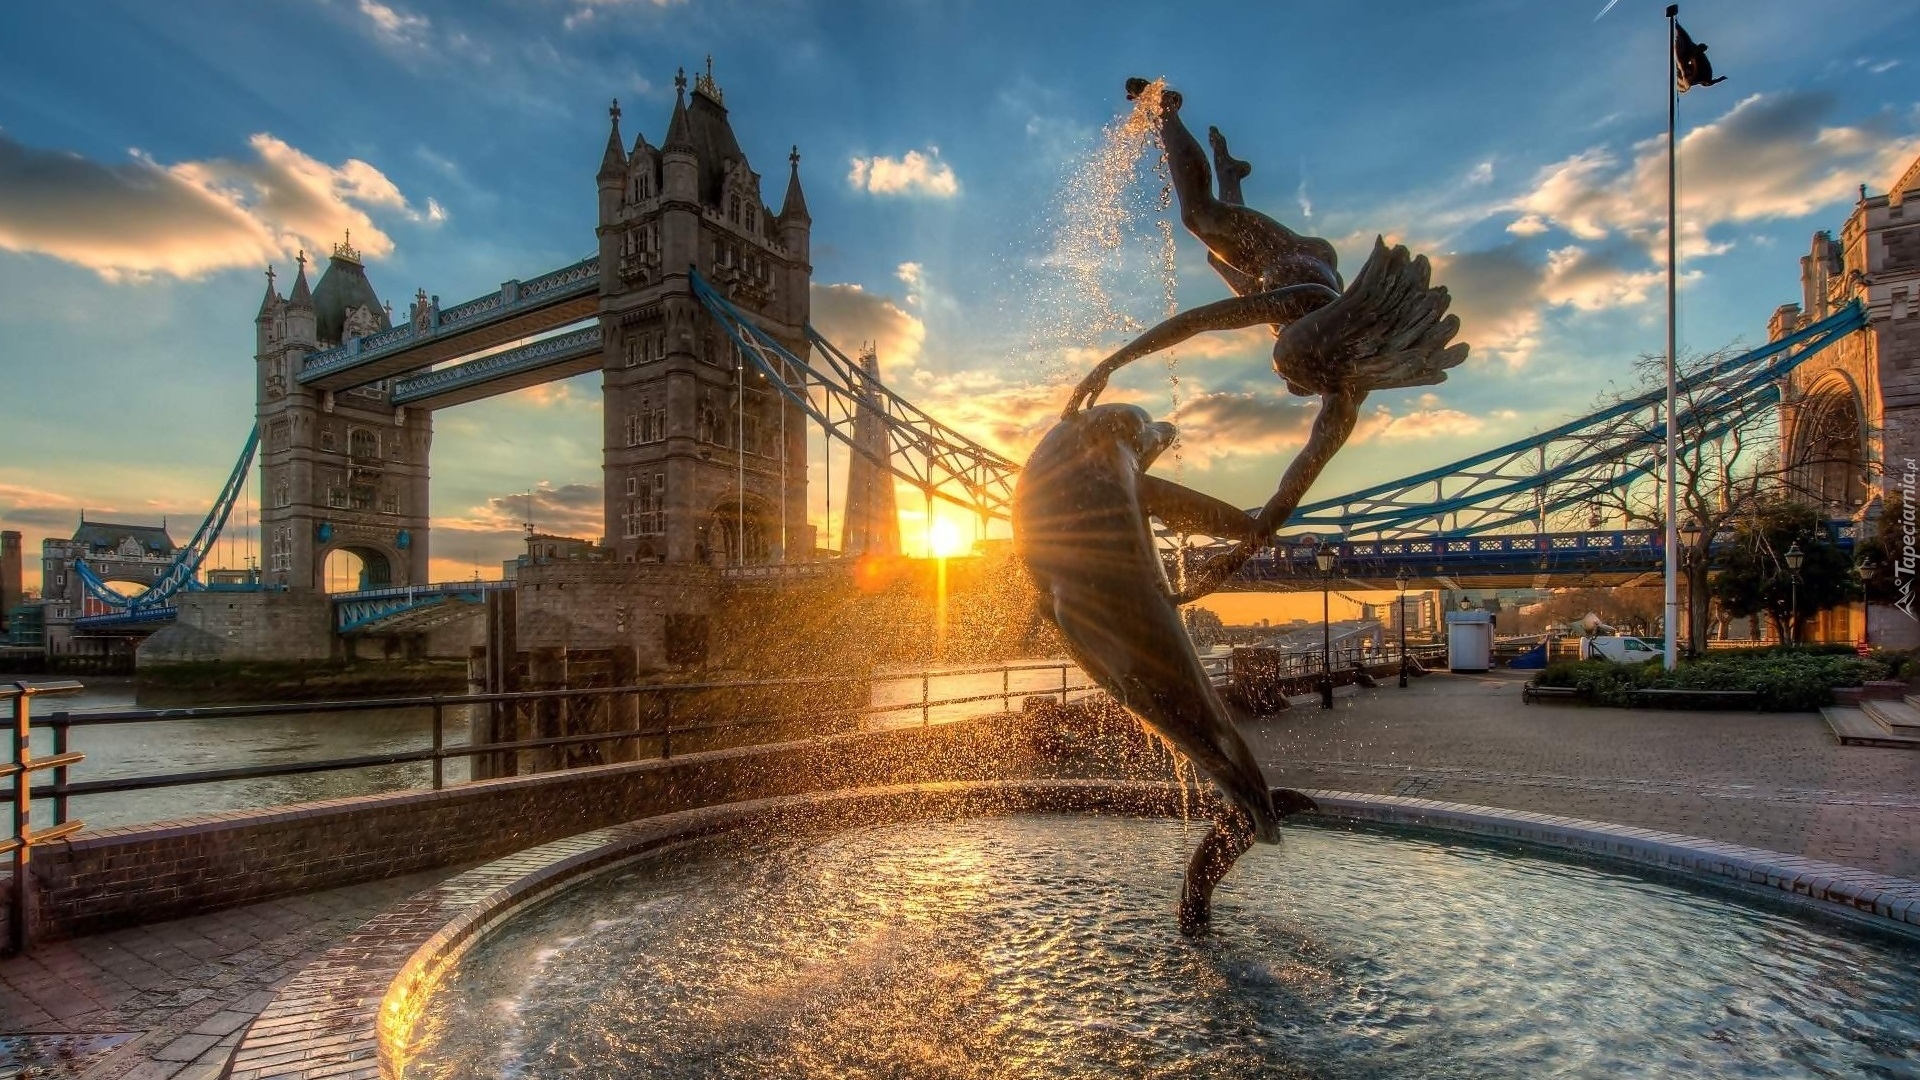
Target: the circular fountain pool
pixel 1044 946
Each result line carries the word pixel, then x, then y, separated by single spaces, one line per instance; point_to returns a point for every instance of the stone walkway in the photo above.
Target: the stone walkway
pixel 1768 780
pixel 165 1002
pixel 168 1001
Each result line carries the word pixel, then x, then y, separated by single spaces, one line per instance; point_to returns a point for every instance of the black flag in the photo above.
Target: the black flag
pixel 1691 67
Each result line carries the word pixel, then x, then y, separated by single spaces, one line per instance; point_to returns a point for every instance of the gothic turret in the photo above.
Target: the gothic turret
pixel 270 312
pixel 796 224
pixel 613 164
pixel 612 177
pixel 300 328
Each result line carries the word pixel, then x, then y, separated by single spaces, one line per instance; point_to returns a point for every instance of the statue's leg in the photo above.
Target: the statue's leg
pixel 1230 837
pixel 1230 169
pixel 1273 306
pixel 1339 412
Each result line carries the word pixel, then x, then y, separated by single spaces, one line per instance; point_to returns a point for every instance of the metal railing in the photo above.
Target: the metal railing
pixel 20 768
pixel 657 725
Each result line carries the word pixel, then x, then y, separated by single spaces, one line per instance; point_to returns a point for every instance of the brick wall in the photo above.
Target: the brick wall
pixel 120 877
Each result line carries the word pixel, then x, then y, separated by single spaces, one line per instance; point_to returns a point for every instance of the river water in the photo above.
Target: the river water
pixel 119 751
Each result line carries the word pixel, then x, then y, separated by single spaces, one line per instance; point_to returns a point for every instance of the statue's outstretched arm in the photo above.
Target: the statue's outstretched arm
pixel 1339 412
pixel 1190 511
pixel 1282 305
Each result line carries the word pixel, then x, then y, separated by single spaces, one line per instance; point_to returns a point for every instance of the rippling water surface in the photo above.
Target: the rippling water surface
pixel 1044 946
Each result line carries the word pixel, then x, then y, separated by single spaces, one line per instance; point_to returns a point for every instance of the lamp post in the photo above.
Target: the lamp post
pixel 1323 557
pixel 1794 558
pixel 1690 535
pixel 1866 568
pixel 1400 616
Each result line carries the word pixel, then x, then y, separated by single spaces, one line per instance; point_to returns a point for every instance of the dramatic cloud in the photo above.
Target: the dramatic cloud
pixel 849 316
pixel 1218 424
pixel 568 510
pixel 914 173
pixel 1496 293
pixel 1771 156
pixel 142 218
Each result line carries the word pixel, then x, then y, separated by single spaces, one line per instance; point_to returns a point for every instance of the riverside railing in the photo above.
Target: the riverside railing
pixel 654 711
pixel 659 726
pixel 19 768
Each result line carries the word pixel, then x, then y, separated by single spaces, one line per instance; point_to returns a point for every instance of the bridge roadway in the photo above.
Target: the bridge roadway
pixel 520 309
pixel 1537 560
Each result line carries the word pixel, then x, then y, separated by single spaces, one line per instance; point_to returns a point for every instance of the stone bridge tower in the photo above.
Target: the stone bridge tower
pixel 704 461
pixel 339 471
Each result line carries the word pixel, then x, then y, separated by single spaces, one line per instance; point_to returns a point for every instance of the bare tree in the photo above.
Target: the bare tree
pixel 1732 460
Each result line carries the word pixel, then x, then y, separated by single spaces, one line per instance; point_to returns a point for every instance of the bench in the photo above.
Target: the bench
pixel 1530 693
pixel 1743 697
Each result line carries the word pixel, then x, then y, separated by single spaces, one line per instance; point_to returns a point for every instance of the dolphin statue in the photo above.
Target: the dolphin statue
pixel 1080 525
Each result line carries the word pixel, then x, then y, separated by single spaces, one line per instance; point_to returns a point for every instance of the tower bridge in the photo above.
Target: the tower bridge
pixel 694 306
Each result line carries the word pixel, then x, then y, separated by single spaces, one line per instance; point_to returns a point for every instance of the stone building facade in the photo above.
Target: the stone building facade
pixel 131 557
pixel 341 471
pixel 705 462
pixel 1851 415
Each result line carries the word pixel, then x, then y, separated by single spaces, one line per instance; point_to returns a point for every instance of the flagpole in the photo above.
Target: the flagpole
pixel 1673 534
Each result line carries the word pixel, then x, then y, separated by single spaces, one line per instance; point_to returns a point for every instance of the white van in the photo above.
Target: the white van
pixel 1620 650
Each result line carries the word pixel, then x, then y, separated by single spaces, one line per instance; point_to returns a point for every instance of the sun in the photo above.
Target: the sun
pixel 948 541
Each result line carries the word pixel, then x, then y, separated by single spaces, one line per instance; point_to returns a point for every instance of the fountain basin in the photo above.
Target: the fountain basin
pixel 405 959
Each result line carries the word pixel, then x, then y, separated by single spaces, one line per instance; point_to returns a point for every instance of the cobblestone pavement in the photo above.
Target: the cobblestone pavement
pixel 168 1001
pixel 1767 780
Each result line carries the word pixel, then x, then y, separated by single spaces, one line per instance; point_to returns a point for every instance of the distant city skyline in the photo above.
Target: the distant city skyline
pixel 151 168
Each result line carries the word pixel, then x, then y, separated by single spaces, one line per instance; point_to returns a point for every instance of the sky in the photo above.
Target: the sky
pixel 154 159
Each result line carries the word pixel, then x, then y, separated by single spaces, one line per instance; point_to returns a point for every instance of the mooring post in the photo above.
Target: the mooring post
pixel 438 742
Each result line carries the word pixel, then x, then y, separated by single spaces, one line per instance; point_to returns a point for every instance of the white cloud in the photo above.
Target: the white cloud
pixel 588 10
pixel 435 212
pixel 1481 173
pixel 396 27
pixel 142 218
pixel 913 173
pixel 1771 156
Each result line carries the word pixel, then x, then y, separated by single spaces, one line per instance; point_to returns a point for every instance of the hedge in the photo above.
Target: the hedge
pixel 1787 680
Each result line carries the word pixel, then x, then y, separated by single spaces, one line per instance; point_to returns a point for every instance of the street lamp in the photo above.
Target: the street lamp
pixel 1323 557
pixel 1689 535
pixel 1400 578
pixel 1866 569
pixel 1794 558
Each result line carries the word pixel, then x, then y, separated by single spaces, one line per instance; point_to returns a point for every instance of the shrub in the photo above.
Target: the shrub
pixel 1787 680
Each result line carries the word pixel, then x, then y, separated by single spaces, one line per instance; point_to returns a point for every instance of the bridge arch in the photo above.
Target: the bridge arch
pixel 736 532
pixel 357 564
pixel 1827 440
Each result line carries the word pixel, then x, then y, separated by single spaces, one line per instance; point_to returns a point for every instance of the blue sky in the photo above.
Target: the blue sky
pixel 154 157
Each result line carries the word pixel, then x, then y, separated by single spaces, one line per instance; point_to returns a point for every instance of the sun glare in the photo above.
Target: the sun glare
pixel 948 540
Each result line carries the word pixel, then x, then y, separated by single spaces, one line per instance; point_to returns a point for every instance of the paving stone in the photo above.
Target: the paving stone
pixel 186 1047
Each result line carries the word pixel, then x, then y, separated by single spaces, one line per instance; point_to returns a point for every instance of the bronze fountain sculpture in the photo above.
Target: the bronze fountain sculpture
pixel 1082 509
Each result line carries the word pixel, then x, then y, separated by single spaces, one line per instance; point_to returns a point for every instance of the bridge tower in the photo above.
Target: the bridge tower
pixel 1852 413
pixel 872 525
pixel 704 461
pixel 340 471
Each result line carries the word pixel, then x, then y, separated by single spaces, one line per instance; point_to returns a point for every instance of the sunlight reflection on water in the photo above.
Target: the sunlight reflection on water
pixel 1044 946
